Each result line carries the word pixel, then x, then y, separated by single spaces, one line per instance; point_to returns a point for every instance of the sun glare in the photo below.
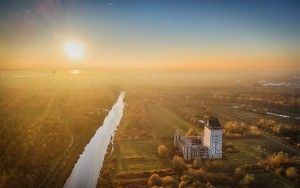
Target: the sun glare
pixel 73 49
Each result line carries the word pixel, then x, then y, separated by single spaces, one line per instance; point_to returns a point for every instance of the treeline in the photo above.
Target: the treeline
pixel 288 132
pixel 234 129
pixel 218 173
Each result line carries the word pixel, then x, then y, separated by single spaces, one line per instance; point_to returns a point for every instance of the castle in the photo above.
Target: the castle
pixel 209 146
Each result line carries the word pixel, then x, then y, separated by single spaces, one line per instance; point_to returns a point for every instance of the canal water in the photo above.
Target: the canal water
pixel 87 169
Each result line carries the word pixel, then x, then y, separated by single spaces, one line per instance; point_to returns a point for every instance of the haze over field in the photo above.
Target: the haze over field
pixel 212 93
pixel 189 35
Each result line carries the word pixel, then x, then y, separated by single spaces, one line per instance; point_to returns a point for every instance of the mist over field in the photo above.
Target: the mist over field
pixel 47 118
pixel 160 93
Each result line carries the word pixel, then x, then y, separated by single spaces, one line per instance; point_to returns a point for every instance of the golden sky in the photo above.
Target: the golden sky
pixel 194 36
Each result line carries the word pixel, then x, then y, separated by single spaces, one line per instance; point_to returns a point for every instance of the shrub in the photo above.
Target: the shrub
pixel 182 184
pixel 239 130
pixel 291 172
pixel 215 166
pixel 279 171
pixel 209 185
pixel 167 181
pixel 162 151
pixel 253 130
pixel 197 162
pixel 277 159
pixel 240 172
pixel 154 179
pixel 249 179
pixel 178 163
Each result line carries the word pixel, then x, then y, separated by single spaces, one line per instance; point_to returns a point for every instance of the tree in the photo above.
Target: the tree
pixel 209 185
pixel 254 130
pixel 197 162
pixel 182 184
pixel 162 151
pixel 154 179
pixel 167 181
pixel 279 171
pixel 240 172
pixel 249 179
pixel 277 159
pixel 291 172
pixel 178 163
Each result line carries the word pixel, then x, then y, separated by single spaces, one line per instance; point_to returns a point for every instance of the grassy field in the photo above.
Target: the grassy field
pixel 140 154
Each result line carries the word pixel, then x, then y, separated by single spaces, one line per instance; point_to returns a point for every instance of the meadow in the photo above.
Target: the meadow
pixel 151 119
pixel 47 118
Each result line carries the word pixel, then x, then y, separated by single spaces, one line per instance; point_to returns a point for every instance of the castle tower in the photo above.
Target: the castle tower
pixel 213 137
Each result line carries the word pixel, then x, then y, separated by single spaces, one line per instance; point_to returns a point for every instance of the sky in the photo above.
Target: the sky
pixel 151 34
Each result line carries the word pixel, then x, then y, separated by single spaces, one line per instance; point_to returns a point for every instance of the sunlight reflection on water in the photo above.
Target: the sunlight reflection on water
pixel 87 169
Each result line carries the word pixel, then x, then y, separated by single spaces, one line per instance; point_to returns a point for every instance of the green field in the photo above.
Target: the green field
pixel 141 154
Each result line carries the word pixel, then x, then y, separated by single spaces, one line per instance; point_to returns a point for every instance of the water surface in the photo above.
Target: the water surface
pixel 87 169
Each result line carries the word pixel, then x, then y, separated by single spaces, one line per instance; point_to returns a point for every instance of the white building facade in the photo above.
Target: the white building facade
pixel 213 138
pixel 208 146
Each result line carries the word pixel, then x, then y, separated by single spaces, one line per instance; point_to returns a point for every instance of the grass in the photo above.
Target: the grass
pixel 138 156
pixel 273 180
pixel 164 122
pixel 141 154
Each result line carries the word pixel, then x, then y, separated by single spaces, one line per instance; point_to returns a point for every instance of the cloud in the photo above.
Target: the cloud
pixel 110 4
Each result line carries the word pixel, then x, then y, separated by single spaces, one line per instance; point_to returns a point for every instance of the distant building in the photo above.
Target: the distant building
pixel 208 146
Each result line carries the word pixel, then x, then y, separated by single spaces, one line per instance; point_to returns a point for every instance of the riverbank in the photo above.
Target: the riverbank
pixel 87 169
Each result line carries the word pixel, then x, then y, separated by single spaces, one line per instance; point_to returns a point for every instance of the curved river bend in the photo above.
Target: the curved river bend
pixel 87 169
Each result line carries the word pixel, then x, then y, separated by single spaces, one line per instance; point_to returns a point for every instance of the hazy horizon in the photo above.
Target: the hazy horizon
pixel 163 35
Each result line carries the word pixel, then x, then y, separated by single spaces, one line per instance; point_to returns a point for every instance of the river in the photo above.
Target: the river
pixel 87 169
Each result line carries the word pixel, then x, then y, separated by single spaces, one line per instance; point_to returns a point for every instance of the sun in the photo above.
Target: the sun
pixel 73 49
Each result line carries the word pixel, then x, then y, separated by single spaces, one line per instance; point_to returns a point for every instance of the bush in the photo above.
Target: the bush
pixel 182 184
pixel 197 162
pixel 167 181
pixel 291 172
pixel 277 159
pixel 209 185
pixel 162 151
pixel 253 130
pixel 234 129
pixel 240 172
pixel 215 166
pixel 279 171
pixel 249 179
pixel 178 163
pixel 154 179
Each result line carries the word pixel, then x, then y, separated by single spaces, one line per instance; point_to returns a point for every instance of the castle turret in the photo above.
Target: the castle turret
pixel 213 137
